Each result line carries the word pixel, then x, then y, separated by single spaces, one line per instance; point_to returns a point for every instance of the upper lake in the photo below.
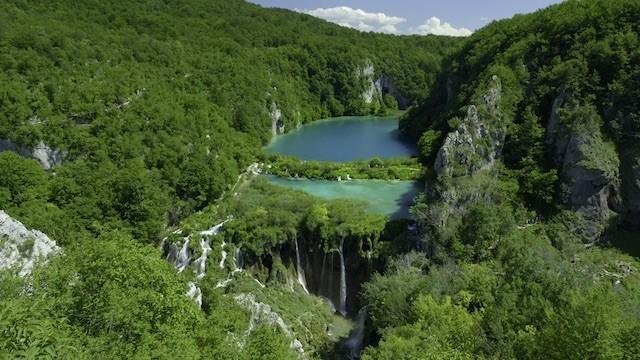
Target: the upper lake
pixel 344 139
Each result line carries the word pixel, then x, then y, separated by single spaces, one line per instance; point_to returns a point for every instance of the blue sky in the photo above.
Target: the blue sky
pixel 445 17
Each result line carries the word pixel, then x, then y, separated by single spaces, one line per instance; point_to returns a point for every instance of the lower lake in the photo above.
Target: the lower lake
pixel 391 198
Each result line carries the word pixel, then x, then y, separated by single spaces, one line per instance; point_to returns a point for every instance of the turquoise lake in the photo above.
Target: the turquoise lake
pixel 344 139
pixel 391 198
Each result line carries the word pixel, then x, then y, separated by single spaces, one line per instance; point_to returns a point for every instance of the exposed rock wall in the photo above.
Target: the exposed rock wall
pixel 277 125
pixel 477 142
pixel 464 166
pixel 376 88
pixel 21 248
pixel 45 155
pixel 372 93
pixel 262 313
pixel 386 85
pixel 590 174
pixel 629 199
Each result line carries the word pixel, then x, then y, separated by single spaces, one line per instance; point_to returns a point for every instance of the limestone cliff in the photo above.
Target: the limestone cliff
pixel 372 92
pixel 476 143
pixel 277 125
pixel 588 163
pixel 376 87
pixel 41 152
pixel 386 85
pixel 21 248
pixel 629 205
pixel 464 166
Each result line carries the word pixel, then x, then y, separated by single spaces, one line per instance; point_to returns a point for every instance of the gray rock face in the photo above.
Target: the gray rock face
pixel 630 185
pixel 386 85
pixel 477 141
pixel 262 313
pixel 376 88
pixel 277 126
pixel 464 165
pixel 46 156
pixel 372 92
pixel 22 248
pixel 587 185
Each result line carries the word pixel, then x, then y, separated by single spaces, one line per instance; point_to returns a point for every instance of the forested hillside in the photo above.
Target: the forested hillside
pixel 125 118
pixel 136 128
pixel 531 135
pixel 156 107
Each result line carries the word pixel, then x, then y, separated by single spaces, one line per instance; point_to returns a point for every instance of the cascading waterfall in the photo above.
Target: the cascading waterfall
pixel 202 260
pixel 353 345
pixel 238 260
pixel 322 273
pixel 301 278
pixel 223 255
pixel 343 281
pixel 195 293
pixel 182 261
pixel 330 287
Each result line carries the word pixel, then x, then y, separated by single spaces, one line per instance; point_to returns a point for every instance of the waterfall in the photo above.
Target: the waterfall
pixel 322 273
pixel 223 255
pixel 182 261
pixel 353 345
pixel 225 282
pixel 301 279
pixel 202 260
pixel 215 230
pixel 195 293
pixel 330 288
pixel 238 261
pixel 343 281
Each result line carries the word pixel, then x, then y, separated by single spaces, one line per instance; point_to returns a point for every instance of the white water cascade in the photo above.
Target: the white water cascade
pixel 195 293
pixel 201 262
pixel 343 281
pixel 353 345
pixel 223 255
pixel 238 260
pixel 182 260
pixel 301 279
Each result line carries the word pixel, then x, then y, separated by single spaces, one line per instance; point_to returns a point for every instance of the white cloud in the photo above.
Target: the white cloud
pixel 484 18
pixel 435 26
pixel 380 22
pixel 359 19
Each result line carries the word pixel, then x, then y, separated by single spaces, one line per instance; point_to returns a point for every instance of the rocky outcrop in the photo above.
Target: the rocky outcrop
pixel 464 166
pixel 262 313
pixel 386 85
pixel 588 164
pixel 478 140
pixel 372 93
pixel 630 185
pixel 277 125
pixel 45 155
pixel 21 248
pixel 376 88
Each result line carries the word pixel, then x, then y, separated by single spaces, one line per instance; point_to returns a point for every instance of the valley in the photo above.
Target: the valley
pixel 219 180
